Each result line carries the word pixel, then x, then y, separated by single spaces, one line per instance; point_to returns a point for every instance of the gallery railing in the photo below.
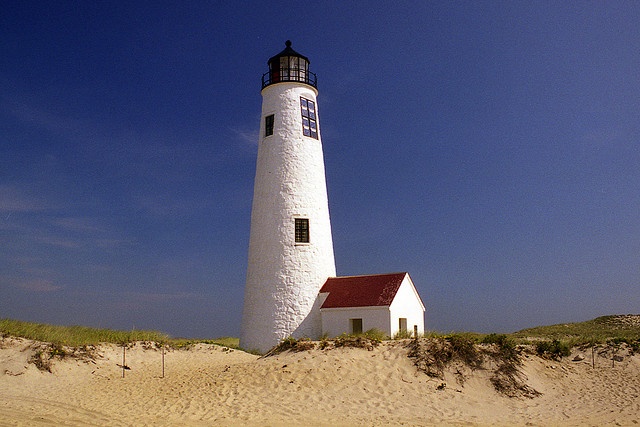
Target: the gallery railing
pixel 289 75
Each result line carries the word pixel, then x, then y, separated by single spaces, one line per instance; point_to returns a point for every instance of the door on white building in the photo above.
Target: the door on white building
pixel 356 326
pixel 402 325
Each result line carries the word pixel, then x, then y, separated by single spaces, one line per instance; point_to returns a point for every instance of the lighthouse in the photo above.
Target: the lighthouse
pixel 290 245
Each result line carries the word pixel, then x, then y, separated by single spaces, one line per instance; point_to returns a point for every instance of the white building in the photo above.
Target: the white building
pixel 290 244
pixel 356 304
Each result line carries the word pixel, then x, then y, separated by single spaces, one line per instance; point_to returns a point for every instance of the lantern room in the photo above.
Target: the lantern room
pixel 288 66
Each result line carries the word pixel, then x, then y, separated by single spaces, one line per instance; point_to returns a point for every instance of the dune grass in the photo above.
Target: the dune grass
pixel 75 336
pixel 601 330
pixel 615 328
pixel 556 341
pixel 231 342
pixel 623 328
pixel 78 336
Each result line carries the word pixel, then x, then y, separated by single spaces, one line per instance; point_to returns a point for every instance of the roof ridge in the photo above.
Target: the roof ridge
pixel 369 275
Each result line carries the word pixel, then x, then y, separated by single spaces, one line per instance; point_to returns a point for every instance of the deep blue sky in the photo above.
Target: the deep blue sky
pixel 490 149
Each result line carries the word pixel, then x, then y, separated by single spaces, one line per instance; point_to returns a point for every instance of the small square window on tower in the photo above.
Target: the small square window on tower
pixel 268 125
pixel 309 120
pixel 302 230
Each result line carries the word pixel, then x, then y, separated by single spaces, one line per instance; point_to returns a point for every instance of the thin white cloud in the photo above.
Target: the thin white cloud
pixel 33 115
pixel 59 241
pixel 14 199
pixel 248 138
pixel 135 301
pixel 162 206
pixel 112 243
pixel 158 296
pixel 605 138
pixel 75 238
pixel 38 285
pixel 84 225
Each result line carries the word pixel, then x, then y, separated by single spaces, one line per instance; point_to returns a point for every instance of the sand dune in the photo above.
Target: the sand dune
pixel 210 385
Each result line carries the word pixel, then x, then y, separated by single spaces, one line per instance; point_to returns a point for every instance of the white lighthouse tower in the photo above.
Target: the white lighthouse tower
pixel 290 246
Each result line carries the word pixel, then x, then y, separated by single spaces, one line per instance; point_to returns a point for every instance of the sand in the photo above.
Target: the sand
pixel 211 385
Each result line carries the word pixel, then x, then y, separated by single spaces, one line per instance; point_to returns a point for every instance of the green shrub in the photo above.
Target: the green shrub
pixel 376 335
pixel 403 335
pixel 506 346
pixel 292 344
pixel 57 350
pixel 498 339
pixel 286 344
pixel 358 341
pixel 634 344
pixel 432 355
pixel 463 347
pixel 554 349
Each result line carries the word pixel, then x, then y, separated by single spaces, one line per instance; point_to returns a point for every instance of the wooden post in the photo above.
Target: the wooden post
pixel 415 332
pixel 124 359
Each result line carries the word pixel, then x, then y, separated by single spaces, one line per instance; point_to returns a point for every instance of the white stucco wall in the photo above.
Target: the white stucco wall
pixel 335 321
pixel 283 278
pixel 407 304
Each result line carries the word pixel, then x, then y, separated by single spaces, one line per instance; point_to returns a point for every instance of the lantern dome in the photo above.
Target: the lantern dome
pixel 288 66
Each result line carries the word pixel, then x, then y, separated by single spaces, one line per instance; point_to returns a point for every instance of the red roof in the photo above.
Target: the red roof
pixel 362 291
